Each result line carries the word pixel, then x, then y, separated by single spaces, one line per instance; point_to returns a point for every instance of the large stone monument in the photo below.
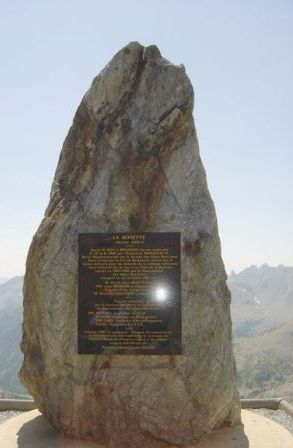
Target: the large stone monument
pixel 130 169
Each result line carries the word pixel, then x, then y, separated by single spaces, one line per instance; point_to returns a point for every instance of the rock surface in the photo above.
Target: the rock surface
pixel 131 162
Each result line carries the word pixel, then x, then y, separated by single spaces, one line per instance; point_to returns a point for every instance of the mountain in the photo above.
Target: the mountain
pixel 262 299
pixel 265 364
pixel 10 335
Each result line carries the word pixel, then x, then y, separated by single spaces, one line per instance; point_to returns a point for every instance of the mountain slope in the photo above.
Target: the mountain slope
pixel 262 299
pixel 10 334
pixel 265 364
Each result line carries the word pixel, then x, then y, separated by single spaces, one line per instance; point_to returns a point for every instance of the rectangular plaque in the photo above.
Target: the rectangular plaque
pixel 129 293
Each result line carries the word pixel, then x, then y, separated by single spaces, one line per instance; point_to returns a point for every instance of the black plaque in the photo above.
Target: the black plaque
pixel 129 293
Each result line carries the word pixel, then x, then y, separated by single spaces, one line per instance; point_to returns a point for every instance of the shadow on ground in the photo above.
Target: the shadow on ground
pixel 37 433
pixel 226 438
pixel 33 431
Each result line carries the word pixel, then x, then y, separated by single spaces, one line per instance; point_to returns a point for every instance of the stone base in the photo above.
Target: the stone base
pixel 31 430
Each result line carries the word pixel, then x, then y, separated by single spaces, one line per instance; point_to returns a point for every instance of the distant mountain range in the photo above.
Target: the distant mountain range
pixel 262 301
pixel 10 335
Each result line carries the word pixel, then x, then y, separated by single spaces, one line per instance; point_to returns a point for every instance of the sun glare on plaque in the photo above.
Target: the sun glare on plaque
pixel 161 294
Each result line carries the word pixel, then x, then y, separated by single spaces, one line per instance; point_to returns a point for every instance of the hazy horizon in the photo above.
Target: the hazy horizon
pixel 239 59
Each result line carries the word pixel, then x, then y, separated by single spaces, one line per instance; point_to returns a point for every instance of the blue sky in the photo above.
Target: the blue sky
pixel 238 55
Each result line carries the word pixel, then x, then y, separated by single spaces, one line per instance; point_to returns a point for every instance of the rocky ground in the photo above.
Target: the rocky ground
pixel 5 415
pixel 278 416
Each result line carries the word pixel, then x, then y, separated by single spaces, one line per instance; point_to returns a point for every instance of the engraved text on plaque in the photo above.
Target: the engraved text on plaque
pixel 129 298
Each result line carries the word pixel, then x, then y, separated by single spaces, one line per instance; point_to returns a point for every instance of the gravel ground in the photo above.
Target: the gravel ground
pixel 278 416
pixel 5 415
